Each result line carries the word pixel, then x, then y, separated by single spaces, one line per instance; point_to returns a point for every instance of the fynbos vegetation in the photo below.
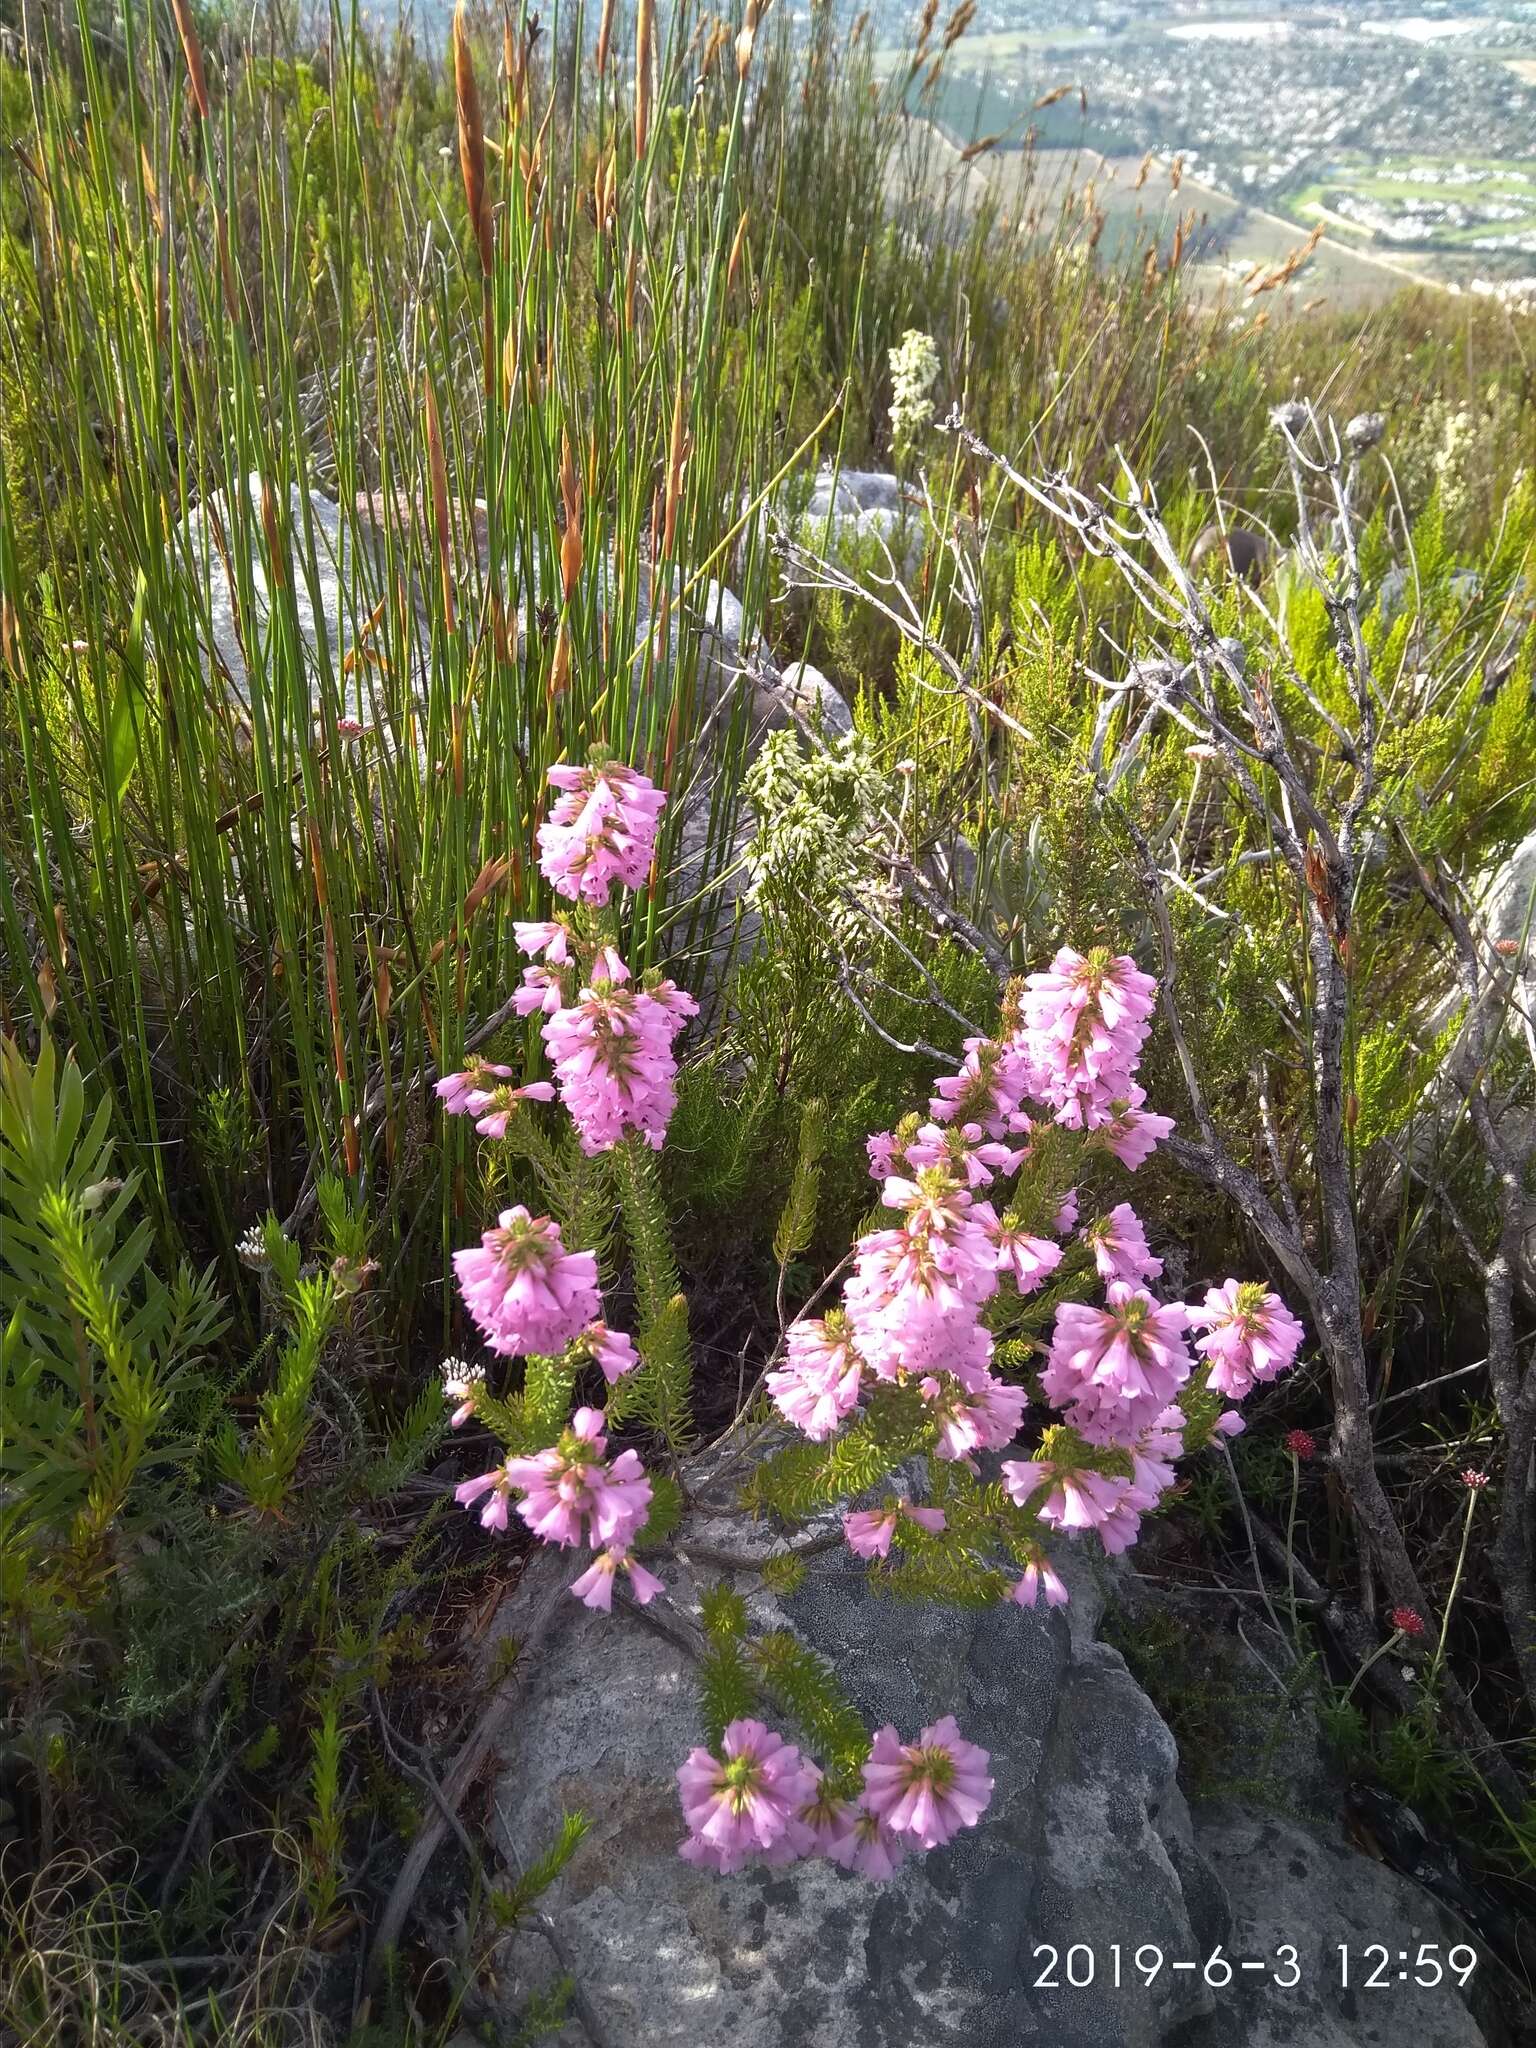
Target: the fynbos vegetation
pixel 717 843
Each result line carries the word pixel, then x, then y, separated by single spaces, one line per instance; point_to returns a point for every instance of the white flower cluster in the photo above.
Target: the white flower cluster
pixel 814 814
pixel 914 372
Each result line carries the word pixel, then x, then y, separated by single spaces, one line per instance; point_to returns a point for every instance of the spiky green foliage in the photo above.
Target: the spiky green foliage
pixel 512 1904
pixel 727 1683
pixel 659 1393
pixel 807 1686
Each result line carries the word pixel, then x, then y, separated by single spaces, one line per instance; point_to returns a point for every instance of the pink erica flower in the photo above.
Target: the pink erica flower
pixel 739 1804
pixel 1075 1500
pixel 1120 1249
pixel 930 1788
pixel 884 1159
pixel 869 1534
pixel 524 1289
pixel 461 1383
pixel 1084 1021
pixel 1066 1215
pixel 572 1494
pixel 1026 1260
pixel 1251 1336
pixel 594 1588
pixel 454 1090
pixel 980 1416
pixel 966 1154
pixel 613 1350
pixel 550 941
pixel 496 1487
pixel 1040 1578
pixel 612 1055
pixel 607 966
pixel 988 1091
pixel 601 829
pixel 493 1109
pixel 913 1296
pixel 1132 1133
pixel 541 990
pixel 819 1382
pixel 1153 1455
pixel 1114 1368
pixel 867 1845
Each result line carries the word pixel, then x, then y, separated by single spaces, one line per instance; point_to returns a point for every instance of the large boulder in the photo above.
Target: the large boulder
pixel 1088 1847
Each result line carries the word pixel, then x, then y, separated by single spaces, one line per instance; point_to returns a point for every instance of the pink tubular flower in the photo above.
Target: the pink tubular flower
pixel 1113 1369
pixel 607 966
pixel 867 1845
pixel 549 941
pixel 914 1293
pixel 571 1484
pixel 594 1588
pixel 883 1158
pixel 454 1090
pixel 1251 1336
pixel 1132 1133
pixel 612 1055
pixel 524 1289
pixel 1152 1460
pixel 461 1383
pixel 819 1384
pixel 601 829
pixel 869 1534
pixel 1040 1578
pixel 930 1788
pixel 497 1485
pixel 965 1152
pixel 1085 1019
pixel 741 1804
pixel 1229 1423
pixel 613 1350
pixel 541 990
pixel 1120 1249
pixel 1027 1261
pixel 983 1414
pixel 1066 1215
pixel 988 1091
pixel 1077 1500
pixel 493 1109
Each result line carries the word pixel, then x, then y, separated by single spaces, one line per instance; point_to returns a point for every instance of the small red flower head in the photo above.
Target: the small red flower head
pixel 1300 1444
pixel 1408 1621
pixel 1474 1481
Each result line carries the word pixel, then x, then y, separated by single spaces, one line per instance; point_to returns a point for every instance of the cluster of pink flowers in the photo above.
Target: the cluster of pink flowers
pixel 1251 1336
pixel 913 1315
pixel 526 1291
pixel 914 1304
pixel 760 1800
pixel 612 1055
pixel 601 830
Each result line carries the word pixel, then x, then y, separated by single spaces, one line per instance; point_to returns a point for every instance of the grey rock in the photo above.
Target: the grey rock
pixel 334 587
pixel 808 693
pixel 858 490
pixel 1088 1841
pixel 1292 1886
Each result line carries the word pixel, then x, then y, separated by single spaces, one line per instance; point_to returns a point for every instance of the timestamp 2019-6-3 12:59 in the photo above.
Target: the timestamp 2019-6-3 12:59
pixel 1351 1966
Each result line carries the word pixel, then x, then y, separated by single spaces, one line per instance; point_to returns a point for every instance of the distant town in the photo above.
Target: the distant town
pixel 1406 131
